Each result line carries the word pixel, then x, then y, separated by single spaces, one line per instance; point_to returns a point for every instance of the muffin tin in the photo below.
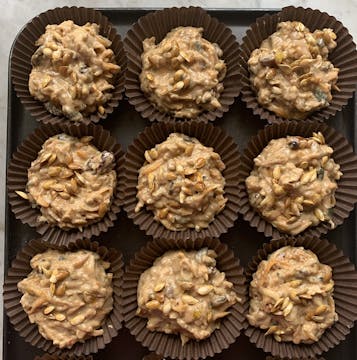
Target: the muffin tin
pixel 125 124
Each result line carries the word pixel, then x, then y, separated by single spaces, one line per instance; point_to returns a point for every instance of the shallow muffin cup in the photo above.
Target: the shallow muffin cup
pixel 346 192
pixel 17 180
pixel 158 24
pixel 20 268
pixel 209 136
pixel 24 47
pixel 170 345
pixel 344 57
pixel 345 278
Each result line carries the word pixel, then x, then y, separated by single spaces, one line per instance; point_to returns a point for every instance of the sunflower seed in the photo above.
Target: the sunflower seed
pixel 295 283
pixel 288 309
pixel 179 86
pixel 52 288
pixel 320 309
pixel 60 317
pixel 54 171
pixel 271 330
pixel 278 189
pixel 48 309
pixel 42 202
pixel 329 286
pixel 319 214
pixel 318 137
pixel 285 303
pixel 201 162
pixel 159 287
pixel 318 319
pixel 102 209
pixel 188 299
pixel 86 139
pixel 22 194
pixel 277 304
pixel 324 160
pixel 304 165
pixel 101 109
pixel 306 296
pixel 152 305
pixel 44 158
pixel 77 320
pixel 166 308
pixel 80 178
pixel 308 203
pixel 52 159
pixel 218 300
pixel 179 75
pixel 220 315
pixel 189 149
pixel 204 290
pixel 294 297
pixel 60 290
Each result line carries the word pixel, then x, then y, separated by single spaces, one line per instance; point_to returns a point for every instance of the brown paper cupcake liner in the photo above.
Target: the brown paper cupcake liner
pixel 345 277
pixel 208 135
pixel 346 192
pixel 24 47
pixel 170 345
pixel 158 24
pixel 20 268
pixel 63 357
pixel 344 56
pixel 278 358
pixel 17 180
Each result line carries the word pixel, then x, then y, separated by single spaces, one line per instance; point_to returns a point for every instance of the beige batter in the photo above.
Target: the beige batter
pixel 182 183
pixel 293 183
pixel 73 70
pixel 184 293
pixel 290 71
pixel 71 181
pixel 291 296
pixel 183 74
pixel 68 295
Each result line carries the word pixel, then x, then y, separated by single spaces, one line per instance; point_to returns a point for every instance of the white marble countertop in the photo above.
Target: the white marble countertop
pixel 15 13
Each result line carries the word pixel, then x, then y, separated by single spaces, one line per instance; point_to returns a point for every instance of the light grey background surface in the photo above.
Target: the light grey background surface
pixel 16 13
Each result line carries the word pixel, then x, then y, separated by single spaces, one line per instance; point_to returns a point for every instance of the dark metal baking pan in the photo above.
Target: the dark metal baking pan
pixel 125 124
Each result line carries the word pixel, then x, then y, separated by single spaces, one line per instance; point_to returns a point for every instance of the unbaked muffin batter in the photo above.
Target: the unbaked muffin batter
pixel 73 70
pixel 68 295
pixel 293 183
pixel 183 74
pixel 182 183
pixel 184 293
pixel 290 71
pixel 291 296
pixel 71 181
